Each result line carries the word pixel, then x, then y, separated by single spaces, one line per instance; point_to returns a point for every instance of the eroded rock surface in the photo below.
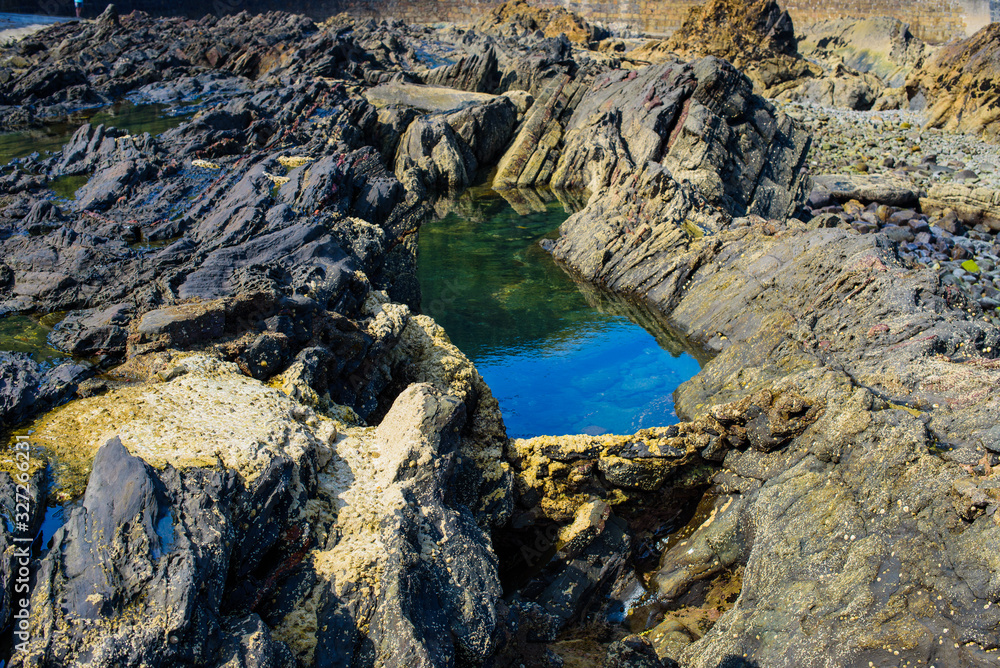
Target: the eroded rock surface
pixel 285 464
pixel 896 368
pixel 958 84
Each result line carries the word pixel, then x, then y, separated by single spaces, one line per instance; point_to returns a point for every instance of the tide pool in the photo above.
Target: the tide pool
pixel 560 357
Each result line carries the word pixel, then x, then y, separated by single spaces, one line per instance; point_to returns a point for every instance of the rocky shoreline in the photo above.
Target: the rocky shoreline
pixel 275 460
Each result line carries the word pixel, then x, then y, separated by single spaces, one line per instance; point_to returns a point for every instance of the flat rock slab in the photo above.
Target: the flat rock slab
pixel 876 188
pixel 424 98
pixel 184 323
pixel 972 204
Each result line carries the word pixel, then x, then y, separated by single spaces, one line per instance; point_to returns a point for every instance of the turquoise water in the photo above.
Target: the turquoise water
pixel 560 357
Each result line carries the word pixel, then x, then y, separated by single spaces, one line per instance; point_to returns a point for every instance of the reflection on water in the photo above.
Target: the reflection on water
pixel 560 357
pixel 134 119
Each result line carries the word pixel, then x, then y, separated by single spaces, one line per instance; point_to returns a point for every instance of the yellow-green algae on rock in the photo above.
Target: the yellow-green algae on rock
pixel 359 489
pixel 209 415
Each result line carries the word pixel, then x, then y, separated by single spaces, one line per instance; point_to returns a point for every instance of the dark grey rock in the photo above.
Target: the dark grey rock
pixel 94 331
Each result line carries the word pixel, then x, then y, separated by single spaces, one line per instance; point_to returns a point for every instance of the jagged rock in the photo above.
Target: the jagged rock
pixel 430 157
pixel 684 116
pixel 757 37
pixel 399 529
pixel 18 386
pixel 477 72
pixel 486 129
pixel 531 158
pixel 443 153
pixel 738 32
pixel 171 537
pixel 958 84
pixel 64 75
pixel 26 389
pixel 643 213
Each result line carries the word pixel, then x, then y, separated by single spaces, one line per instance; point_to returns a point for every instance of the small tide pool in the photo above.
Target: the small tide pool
pixel 560 357
pixel 133 118
pixel 25 334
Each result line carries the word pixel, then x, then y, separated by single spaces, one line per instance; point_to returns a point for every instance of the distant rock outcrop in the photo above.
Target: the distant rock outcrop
pixel 959 85
pixel 880 46
pixel 757 37
pixel 516 18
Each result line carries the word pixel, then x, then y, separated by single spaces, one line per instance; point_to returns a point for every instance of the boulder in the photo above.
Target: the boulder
pixel 182 325
pixel 881 188
pixel 94 331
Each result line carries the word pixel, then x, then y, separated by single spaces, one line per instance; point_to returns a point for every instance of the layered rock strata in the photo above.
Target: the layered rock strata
pixel 284 465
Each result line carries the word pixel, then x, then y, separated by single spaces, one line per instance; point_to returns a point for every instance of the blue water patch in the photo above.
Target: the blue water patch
pixel 55 518
pixel 558 359
pixel 611 379
pixel 430 60
pixel 165 532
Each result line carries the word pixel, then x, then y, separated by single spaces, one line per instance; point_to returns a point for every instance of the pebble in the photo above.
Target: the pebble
pixel 891 141
pixel 894 142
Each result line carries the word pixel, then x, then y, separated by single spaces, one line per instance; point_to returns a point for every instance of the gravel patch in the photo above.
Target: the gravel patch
pixel 894 144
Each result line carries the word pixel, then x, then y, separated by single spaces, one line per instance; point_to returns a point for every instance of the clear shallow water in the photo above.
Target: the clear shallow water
pixel 24 334
pixel 560 357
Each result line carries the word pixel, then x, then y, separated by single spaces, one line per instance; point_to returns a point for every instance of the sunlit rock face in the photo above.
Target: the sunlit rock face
pixel 273 459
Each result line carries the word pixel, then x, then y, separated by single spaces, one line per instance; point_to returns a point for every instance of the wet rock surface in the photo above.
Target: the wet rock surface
pixel 283 463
